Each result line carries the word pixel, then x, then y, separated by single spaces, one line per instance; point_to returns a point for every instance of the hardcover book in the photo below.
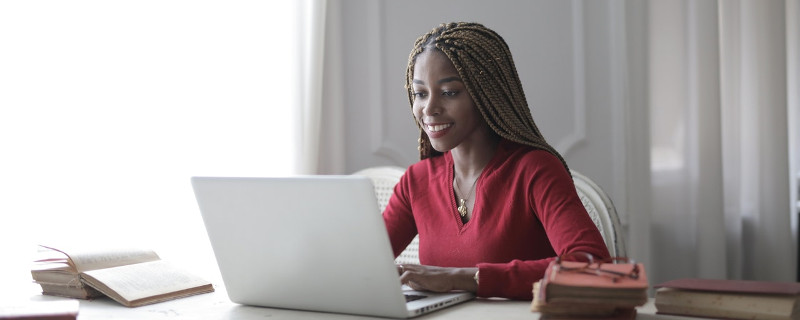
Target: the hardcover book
pixel 573 289
pixel 40 310
pixel 732 299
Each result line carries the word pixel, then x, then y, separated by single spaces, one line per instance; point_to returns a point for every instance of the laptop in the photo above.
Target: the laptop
pixel 314 243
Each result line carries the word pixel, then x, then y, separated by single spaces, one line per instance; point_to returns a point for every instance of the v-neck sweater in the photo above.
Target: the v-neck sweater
pixel 526 213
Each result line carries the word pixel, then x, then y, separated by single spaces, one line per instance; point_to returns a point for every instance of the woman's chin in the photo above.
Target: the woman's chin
pixel 440 147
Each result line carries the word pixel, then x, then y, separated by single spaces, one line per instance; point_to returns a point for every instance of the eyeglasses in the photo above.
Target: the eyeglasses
pixel 589 265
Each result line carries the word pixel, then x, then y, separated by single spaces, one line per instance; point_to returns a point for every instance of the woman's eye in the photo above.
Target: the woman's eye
pixel 449 93
pixel 419 94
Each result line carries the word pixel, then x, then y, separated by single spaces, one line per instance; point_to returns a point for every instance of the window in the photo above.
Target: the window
pixel 108 108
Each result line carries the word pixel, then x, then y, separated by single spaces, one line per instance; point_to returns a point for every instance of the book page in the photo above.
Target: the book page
pixel 135 282
pixel 45 255
pixel 98 257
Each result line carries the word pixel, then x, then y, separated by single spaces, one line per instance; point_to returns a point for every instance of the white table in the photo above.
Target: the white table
pixel 217 306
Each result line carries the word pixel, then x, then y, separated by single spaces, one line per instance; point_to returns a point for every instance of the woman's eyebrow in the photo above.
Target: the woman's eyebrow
pixel 448 79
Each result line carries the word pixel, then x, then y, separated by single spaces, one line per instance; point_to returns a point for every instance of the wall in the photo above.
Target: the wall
pixel 595 73
pixel 571 57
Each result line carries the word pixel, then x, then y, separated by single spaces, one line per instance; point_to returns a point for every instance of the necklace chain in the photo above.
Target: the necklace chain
pixel 462 202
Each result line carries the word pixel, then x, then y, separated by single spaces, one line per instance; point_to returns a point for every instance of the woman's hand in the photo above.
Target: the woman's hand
pixel 437 279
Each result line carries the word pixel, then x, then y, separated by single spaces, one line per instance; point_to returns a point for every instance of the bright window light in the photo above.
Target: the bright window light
pixel 107 108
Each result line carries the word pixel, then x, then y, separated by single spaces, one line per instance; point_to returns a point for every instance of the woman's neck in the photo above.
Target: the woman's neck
pixel 470 159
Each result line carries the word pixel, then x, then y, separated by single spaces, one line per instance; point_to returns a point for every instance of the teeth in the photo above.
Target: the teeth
pixel 439 127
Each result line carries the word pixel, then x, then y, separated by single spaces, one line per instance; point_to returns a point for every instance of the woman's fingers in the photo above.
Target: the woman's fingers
pixel 426 278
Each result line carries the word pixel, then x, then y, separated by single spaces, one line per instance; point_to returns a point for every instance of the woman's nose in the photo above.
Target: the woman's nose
pixel 432 107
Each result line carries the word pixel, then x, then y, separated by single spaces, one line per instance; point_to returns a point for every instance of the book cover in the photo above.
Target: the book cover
pixel 588 277
pixel 40 310
pixel 568 282
pixel 732 299
pixel 740 286
pixel 575 289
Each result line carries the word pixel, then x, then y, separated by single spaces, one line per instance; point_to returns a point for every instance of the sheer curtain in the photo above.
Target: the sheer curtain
pixel 312 66
pixel 108 108
pixel 719 138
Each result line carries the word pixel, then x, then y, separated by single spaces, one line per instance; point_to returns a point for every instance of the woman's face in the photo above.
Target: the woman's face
pixel 442 105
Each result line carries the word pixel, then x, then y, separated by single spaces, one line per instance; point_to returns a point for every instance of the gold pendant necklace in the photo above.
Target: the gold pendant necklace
pixel 462 207
pixel 462 202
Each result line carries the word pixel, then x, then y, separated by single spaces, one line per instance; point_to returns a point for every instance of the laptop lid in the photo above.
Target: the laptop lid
pixel 311 243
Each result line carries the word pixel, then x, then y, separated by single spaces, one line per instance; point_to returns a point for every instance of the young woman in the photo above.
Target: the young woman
pixel 493 203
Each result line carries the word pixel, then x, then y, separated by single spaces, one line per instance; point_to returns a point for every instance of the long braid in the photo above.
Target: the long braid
pixel 484 63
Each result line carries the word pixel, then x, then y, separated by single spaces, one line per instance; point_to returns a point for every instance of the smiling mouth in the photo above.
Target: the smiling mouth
pixel 438 127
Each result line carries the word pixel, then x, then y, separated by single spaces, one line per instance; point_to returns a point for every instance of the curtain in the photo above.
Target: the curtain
pixel 312 23
pixel 793 83
pixel 719 141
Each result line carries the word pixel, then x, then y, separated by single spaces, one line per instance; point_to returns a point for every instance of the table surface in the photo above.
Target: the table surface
pixel 216 305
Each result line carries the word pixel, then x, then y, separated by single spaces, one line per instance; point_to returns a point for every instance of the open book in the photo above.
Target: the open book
pixel 132 277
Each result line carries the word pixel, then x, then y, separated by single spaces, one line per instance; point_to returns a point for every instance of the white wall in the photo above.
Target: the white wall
pixel 591 71
pixel 571 57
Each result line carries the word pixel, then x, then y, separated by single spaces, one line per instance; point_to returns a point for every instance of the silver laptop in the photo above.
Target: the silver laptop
pixel 310 243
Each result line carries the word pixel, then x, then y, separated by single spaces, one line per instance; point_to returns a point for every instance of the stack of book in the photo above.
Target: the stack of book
pixel 575 289
pixel 730 299
pixel 132 277
pixel 58 276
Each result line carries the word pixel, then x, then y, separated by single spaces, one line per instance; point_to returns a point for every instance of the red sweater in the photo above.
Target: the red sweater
pixel 526 213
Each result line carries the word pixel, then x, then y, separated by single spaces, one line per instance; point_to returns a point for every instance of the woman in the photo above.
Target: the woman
pixel 492 202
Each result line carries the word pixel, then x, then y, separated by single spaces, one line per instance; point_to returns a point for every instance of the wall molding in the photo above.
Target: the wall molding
pixel 379 144
pixel 568 142
pixel 618 82
pixel 382 146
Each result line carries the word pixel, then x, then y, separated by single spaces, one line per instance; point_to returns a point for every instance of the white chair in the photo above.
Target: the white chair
pixel 603 213
pixel 384 178
pixel 594 199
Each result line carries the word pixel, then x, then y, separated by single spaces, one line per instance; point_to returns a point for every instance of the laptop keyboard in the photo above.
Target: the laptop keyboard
pixel 412 297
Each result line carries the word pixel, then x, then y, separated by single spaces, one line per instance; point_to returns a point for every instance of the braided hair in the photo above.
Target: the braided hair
pixel 484 63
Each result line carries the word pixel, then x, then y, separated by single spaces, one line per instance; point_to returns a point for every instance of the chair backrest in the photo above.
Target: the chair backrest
pixel 603 213
pixel 384 178
pixel 594 199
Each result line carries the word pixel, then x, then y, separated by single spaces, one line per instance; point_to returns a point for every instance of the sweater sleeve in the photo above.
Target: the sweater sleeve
pixel 553 199
pixel 398 217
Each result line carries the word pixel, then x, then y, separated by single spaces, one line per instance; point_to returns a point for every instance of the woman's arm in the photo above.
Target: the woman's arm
pixel 553 199
pixel 439 279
